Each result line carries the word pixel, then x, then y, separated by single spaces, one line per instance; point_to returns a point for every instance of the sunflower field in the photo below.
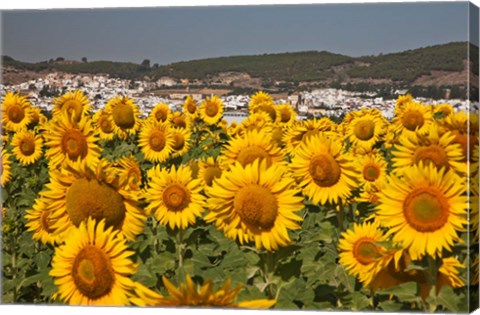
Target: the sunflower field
pixel 118 207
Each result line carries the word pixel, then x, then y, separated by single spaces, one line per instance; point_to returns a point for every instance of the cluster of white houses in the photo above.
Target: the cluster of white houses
pixel 316 103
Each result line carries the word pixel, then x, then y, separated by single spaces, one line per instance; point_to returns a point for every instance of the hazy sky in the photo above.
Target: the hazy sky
pixel 170 34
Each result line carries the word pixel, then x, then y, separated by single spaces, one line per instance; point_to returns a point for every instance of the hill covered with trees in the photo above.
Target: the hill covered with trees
pixel 417 67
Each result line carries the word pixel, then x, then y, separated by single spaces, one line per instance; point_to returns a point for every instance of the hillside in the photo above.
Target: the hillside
pixel 424 67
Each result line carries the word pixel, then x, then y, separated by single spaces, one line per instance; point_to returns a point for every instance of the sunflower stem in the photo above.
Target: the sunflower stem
pixel 14 266
pixel 340 217
pixel 180 248
pixel 432 270
pixel 268 274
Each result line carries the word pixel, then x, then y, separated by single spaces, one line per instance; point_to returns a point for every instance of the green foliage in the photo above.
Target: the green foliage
pixel 408 65
pixel 291 68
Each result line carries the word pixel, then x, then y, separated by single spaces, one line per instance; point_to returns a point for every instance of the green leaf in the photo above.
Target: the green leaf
pixel 42 259
pixel 390 306
pixel 360 301
pixel 406 292
pixel 344 278
pixel 446 298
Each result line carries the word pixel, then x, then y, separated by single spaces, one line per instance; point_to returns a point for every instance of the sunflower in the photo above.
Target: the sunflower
pixel 413 118
pixel 38 119
pixel 234 129
pixel 255 203
pixel 251 146
pixel 286 115
pixel 365 128
pixel 403 99
pixel 93 267
pixel 302 130
pixel 40 221
pixel 105 125
pixel 74 104
pixel 277 135
pixel 260 99
pixel 27 147
pixel 373 168
pixel 72 143
pixel 156 141
pixel 190 107
pixel 6 174
pixel 189 294
pixel 180 120
pixel 432 148
pixel 267 107
pixel 448 274
pixel 124 115
pixel 260 121
pixel 174 197
pixel 465 128
pixel 210 168
pixel 396 269
pixel 161 113
pixel 424 209
pixel 211 110
pixel 474 206
pixel 361 251
pixel 129 172
pixel 76 195
pixel 16 112
pixel 443 110
pixel 325 173
pixel 181 141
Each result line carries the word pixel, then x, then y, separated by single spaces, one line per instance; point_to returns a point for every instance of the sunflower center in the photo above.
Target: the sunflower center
pixel 15 113
pixel 90 198
pixel 179 122
pixel 27 146
pixel 106 125
pixel 123 116
pixel 211 172
pixel 285 115
pixel 192 108
pixel 161 115
pixel 251 153
pixel 92 273
pixel 371 173
pixel 426 209
pixel 75 107
pixel 364 129
pixel 211 109
pixel 465 140
pixel 134 177
pixel 412 120
pixel 176 197
pixel 270 110
pixel 257 206
pixel 74 144
pixel 157 140
pixel 432 154
pixel 324 170
pixel 178 141
pixel 365 251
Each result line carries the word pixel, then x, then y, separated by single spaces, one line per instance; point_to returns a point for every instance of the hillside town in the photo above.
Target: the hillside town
pixel 100 88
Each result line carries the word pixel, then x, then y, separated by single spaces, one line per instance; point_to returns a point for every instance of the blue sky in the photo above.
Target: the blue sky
pixel 170 34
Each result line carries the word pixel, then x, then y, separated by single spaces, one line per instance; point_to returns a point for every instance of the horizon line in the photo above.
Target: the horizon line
pixel 252 55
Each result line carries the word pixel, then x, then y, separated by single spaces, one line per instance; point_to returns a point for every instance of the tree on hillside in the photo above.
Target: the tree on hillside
pixel 146 63
pixel 84 59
